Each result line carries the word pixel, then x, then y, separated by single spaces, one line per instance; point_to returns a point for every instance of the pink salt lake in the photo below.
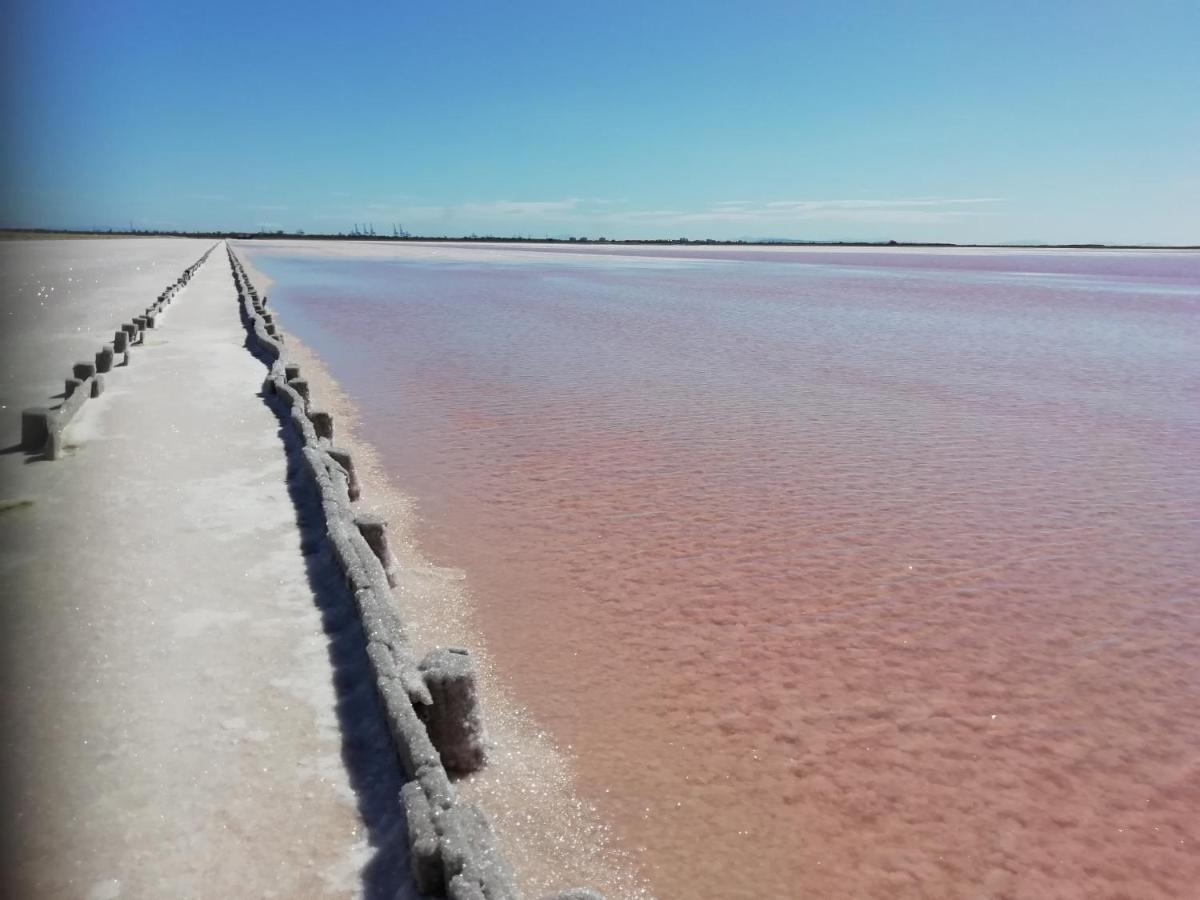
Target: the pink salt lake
pixel 843 574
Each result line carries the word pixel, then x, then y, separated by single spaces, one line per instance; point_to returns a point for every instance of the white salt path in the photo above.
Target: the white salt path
pixel 177 721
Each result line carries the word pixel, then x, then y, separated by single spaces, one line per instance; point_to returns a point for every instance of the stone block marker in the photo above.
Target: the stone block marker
pixel 84 370
pixel 120 341
pixel 300 386
pixel 104 358
pixel 374 532
pixel 342 458
pixel 35 428
pixel 322 423
pixel 453 720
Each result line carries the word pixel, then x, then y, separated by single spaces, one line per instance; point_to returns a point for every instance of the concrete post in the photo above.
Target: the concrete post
pixel 454 722
pixel 291 371
pixel 120 341
pixel 84 370
pixel 97 385
pixel 300 386
pixel 104 358
pixel 35 428
pixel 70 386
pixel 342 458
pixel 322 423
pixel 374 532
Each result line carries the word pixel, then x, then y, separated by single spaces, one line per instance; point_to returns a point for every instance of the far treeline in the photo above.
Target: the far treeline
pixel 404 237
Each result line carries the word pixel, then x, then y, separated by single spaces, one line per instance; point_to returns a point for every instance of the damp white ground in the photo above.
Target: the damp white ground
pixel 170 714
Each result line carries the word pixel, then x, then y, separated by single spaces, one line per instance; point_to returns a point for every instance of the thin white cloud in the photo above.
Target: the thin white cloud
pixel 583 215
pixel 915 210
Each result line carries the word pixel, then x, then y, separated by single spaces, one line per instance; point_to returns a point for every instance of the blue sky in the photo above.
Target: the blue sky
pixel 1002 121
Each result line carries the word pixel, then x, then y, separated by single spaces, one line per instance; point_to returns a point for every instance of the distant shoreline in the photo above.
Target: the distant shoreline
pixel 29 234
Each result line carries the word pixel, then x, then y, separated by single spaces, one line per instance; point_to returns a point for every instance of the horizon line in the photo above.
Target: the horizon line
pixel 12 232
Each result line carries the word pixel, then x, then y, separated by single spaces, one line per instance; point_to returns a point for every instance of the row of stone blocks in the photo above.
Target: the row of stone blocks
pixel 42 428
pixel 431 707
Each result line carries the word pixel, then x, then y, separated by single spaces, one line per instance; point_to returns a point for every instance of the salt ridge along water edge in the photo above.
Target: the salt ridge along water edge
pixel 451 846
pixel 548 836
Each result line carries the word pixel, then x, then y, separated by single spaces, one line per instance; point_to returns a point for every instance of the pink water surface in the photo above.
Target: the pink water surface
pixel 863 576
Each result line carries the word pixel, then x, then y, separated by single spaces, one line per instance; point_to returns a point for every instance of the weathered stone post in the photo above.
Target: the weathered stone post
pixel 97 385
pixel 374 532
pixel 300 386
pixel 104 358
pixel 120 341
pixel 291 371
pixel 342 458
pixel 322 423
pixel 35 428
pixel 454 722
pixel 84 370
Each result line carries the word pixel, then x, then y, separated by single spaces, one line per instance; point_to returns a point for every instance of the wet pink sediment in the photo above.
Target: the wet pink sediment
pixel 841 581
